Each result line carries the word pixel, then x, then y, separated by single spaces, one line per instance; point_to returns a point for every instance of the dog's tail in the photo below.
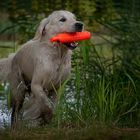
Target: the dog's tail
pixel 5 67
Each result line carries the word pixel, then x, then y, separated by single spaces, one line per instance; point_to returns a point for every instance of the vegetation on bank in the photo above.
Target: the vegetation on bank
pixel 94 131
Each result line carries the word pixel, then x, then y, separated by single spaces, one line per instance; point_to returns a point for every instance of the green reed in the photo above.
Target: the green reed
pixel 98 91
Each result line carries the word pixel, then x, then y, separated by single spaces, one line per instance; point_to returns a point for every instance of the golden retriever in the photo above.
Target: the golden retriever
pixel 39 66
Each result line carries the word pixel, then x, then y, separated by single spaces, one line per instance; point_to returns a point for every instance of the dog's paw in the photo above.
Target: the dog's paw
pixel 35 109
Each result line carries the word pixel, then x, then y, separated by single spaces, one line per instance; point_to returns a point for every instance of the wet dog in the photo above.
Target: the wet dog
pixel 40 66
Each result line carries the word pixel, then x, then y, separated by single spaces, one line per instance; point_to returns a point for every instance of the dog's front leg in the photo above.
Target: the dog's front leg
pixel 41 107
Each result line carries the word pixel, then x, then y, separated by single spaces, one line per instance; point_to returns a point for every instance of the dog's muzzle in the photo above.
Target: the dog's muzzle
pixel 78 27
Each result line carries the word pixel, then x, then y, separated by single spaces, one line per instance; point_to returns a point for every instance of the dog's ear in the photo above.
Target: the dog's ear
pixel 41 31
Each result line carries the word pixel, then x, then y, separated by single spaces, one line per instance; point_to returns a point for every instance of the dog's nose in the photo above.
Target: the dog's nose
pixel 78 26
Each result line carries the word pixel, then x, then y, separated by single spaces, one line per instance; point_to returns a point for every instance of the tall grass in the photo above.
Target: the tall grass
pixel 105 87
pixel 98 91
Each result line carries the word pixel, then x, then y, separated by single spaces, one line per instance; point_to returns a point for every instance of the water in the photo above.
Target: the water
pixel 4 114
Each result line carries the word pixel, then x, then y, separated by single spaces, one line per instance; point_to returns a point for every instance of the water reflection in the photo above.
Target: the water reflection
pixel 4 112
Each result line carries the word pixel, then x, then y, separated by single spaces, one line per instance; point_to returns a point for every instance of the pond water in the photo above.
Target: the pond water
pixel 4 114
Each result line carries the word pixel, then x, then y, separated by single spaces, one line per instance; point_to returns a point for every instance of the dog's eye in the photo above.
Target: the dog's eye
pixel 63 19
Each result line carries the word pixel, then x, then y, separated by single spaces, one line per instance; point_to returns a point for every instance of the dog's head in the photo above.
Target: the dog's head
pixel 58 22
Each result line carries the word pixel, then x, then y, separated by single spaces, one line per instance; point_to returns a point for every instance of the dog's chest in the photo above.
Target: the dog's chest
pixel 58 72
pixel 61 71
